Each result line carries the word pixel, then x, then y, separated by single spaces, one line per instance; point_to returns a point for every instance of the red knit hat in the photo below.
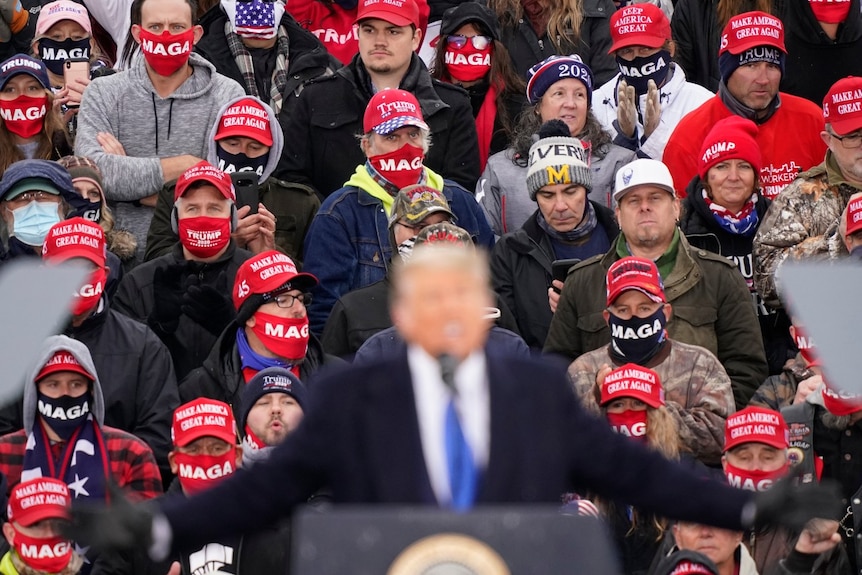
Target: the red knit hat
pixel 830 11
pixel 750 30
pixel 632 380
pixel 639 25
pixel 756 425
pixel 733 138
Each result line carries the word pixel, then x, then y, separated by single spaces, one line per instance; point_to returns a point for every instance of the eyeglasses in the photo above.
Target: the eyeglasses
pixel 285 300
pixel 38 196
pixel 459 41
pixel 850 141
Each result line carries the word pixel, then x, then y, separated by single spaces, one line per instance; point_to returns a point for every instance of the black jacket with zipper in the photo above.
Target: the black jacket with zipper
pixel 594 41
pixel 321 124
pixel 703 231
pixel 521 273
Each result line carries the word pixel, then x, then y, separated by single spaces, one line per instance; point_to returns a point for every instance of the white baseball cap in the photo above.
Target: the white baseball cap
pixel 642 172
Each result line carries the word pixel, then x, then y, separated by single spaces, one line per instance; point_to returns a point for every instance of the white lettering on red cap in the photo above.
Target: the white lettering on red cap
pixel 759 20
pixel 397 107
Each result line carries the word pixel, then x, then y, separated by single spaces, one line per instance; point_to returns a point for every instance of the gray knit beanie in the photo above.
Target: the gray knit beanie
pixel 557 159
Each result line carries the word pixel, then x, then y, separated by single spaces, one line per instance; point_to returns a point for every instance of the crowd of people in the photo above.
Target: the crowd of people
pixel 290 212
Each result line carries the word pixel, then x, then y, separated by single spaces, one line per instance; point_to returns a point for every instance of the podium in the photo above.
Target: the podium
pixel 384 540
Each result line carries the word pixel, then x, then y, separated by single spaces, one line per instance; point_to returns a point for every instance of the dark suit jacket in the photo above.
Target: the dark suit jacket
pixel 360 436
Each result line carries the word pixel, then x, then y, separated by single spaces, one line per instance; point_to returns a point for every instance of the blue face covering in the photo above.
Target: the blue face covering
pixel 33 221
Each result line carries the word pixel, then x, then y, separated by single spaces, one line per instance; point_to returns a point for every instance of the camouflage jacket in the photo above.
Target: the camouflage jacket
pixel 802 222
pixel 779 390
pixel 697 393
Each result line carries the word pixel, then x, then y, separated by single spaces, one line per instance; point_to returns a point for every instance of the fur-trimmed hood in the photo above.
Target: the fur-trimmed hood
pixel 122 244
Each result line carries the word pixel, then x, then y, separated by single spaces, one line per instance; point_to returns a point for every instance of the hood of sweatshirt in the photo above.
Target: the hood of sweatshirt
pixel 274 128
pixel 51 346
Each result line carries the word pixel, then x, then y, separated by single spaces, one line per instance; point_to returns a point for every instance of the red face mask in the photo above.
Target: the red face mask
pixel 204 236
pixel 24 115
pixel 166 53
pixel 201 472
pixel 806 347
pixel 830 11
pixel 753 480
pixel 90 293
pixel 401 168
pixel 286 337
pixel 468 63
pixel 50 554
pixel 630 423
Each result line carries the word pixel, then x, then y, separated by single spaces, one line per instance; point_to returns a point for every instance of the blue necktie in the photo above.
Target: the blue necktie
pixel 459 458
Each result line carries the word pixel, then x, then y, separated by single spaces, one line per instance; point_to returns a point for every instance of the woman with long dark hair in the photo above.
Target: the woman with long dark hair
pixel 471 55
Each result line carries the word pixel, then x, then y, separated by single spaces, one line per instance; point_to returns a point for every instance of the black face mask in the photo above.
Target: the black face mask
pixel 638 339
pixel 64 414
pixel 54 53
pixel 230 163
pixel 91 211
pixel 637 72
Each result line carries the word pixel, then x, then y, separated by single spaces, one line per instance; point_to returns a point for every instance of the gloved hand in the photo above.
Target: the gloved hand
pixel 118 526
pixel 627 114
pixel 13 18
pixel 168 293
pixel 208 304
pixel 652 114
pixel 792 506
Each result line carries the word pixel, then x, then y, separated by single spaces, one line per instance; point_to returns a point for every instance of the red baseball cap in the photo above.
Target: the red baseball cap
pixel 632 380
pixel 203 417
pixel 639 25
pixel 247 118
pixel 635 273
pixel 842 106
pixel 398 12
pixel 204 171
pixel 63 361
pixel 756 425
pixel 751 29
pixel 75 238
pixel 854 216
pixel 266 273
pixel 391 109
pixel 38 499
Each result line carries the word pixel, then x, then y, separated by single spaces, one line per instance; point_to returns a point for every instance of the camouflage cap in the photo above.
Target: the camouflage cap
pixel 415 203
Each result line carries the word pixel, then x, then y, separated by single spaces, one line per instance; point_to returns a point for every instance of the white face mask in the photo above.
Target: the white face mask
pixel 254 11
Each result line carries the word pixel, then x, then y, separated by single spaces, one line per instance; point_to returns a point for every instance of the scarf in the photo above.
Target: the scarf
pixel 485 124
pixel 584 228
pixel 743 223
pixel 253 453
pixel 740 109
pixel 388 186
pixel 246 65
pixel 252 362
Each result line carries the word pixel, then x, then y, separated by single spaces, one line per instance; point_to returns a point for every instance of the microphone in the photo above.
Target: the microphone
pixel 448 365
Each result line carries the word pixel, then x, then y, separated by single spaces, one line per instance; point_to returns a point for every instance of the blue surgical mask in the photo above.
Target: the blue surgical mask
pixel 33 221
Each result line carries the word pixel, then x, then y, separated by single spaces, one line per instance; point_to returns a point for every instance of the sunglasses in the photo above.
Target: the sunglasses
pixel 479 42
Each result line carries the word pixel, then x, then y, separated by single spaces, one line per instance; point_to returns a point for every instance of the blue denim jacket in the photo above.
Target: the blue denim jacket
pixel 347 246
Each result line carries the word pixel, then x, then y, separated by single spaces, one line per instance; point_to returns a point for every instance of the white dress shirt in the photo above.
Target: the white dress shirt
pixel 432 398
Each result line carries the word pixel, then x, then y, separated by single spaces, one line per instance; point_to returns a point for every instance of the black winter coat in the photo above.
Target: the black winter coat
pixel 191 343
pixel 521 273
pixel 814 62
pixel 702 231
pixel 137 378
pixel 594 41
pixel 220 377
pixel 320 127
pixel 307 57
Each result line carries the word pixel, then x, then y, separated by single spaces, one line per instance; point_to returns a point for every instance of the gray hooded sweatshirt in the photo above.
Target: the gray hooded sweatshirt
pixel 51 346
pixel 274 128
pixel 149 127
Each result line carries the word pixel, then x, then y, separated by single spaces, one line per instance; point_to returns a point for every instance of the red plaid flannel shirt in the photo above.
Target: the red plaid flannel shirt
pixel 133 466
